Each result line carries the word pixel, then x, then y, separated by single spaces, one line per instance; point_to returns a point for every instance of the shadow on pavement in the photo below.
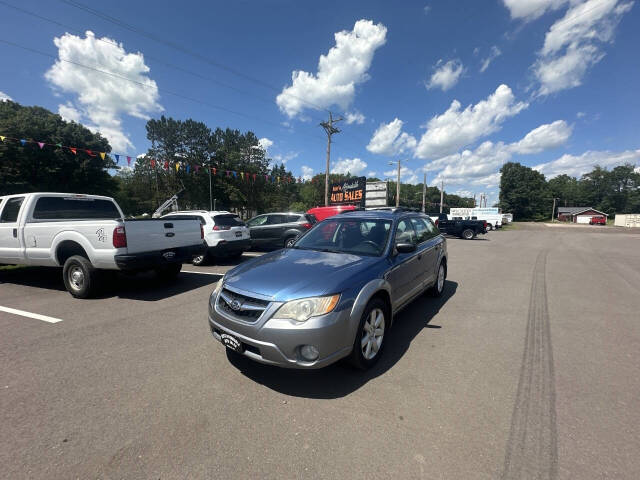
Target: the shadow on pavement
pixel 144 286
pixel 340 379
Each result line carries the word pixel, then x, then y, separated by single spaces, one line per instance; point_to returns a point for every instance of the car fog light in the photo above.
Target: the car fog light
pixel 309 352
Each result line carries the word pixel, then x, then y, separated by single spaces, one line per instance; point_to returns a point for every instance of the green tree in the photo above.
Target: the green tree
pixel 524 192
pixel 29 168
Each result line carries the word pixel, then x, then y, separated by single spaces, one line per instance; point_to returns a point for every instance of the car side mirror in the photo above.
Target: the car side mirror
pixel 405 247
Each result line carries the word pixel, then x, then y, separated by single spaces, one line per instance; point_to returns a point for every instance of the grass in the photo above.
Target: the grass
pixel 10 267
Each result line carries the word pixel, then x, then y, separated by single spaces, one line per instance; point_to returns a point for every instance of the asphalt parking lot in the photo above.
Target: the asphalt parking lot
pixel 527 367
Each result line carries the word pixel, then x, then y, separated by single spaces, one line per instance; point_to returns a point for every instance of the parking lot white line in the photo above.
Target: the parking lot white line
pixel 203 273
pixel 36 316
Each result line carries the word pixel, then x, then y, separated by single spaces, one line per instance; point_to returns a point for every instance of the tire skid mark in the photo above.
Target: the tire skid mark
pixel 532 450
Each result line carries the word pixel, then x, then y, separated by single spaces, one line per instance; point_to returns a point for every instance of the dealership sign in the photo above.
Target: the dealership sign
pixel 349 192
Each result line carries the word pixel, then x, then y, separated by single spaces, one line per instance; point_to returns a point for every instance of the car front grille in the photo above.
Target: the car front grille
pixel 242 307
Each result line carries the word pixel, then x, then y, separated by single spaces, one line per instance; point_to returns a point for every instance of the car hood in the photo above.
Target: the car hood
pixel 293 273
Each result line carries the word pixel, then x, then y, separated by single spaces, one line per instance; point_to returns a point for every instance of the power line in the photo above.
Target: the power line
pixel 176 46
pixel 146 85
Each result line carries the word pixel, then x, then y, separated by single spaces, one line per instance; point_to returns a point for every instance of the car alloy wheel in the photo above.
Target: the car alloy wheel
pixel 440 284
pixel 290 241
pixel 373 334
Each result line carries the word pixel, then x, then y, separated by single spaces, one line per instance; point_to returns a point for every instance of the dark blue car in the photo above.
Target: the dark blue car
pixel 332 294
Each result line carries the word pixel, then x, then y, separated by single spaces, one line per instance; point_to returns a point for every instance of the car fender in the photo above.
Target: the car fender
pixel 366 292
pixel 73 236
pixel 291 232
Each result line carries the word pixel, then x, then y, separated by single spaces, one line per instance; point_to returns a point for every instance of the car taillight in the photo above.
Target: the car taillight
pixel 201 232
pixel 306 225
pixel 437 222
pixel 485 225
pixel 216 228
pixel 119 237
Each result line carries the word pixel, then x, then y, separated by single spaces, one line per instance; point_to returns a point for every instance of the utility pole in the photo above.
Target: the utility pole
pixel 441 194
pixel 553 212
pixel 474 200
pixel 397 183
pixel 330 129
pixel 424 192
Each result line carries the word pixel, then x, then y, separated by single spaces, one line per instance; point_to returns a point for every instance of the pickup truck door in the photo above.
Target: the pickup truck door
pixel 11 247
pixel 405 266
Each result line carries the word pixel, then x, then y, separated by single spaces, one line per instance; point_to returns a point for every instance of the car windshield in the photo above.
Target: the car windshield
pixel 354 236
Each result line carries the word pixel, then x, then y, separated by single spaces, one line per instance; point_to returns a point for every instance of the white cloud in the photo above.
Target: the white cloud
pixel 407 175
pixel 446 75
pixel 573 44
pixel 264 143
pixel 284 158
pixel 481 166
pixel 581 114
pixel 69 113
pixel 344 67
pixel 372 173
pixel 307 173
pixel 389 139
pixel 577 165
pixel 426 9
pixel 495 53
pixel 103 99
pixel 463 193
pixel 354 166
pixel 528 10
pixel 550 135
pixel 456 128
pixel 4 97
pixel 354 117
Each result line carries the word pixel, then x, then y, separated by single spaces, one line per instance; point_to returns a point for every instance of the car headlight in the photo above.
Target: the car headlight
pixel 305 308
pixel 216 290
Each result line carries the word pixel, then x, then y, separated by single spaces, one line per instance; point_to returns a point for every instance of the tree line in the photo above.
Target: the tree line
pixel 529 195
pixel 144 186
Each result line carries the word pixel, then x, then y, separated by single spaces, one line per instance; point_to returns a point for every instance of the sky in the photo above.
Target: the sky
pixel 451 89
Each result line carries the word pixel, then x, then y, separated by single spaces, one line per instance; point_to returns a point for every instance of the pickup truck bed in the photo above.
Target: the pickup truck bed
pixel 56 229
pixel 467 229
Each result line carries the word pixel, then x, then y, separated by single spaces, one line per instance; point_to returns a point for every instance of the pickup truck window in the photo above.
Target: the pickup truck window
pixel 72 208
pixel 11 210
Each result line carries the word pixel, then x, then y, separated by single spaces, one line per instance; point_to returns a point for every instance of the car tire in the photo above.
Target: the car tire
pixel 80 278
pixel 359 357
pixel 201 260
pixel 438 287
pixel 169 272
pixel 289 241
pixel 468 234
pixel 489 227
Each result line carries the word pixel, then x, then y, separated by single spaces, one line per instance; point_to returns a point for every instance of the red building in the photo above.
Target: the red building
pixel 578 214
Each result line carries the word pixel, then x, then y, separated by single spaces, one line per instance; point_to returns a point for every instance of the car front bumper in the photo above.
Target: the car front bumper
pixel 278 341
pixel 156 259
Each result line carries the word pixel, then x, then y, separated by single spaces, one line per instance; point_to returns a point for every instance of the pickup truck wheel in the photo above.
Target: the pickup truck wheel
pixel 80 278
pixel 370 336
pixel 169 272
pixel 489 227
pixel 468 234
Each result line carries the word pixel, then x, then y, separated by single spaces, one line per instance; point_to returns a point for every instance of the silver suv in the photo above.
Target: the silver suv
pixel 333 293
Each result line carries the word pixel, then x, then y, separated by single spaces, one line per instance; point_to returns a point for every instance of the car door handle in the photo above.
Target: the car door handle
pixel 15 233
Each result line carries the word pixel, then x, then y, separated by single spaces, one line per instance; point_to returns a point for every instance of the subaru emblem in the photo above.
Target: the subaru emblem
pixel 235 305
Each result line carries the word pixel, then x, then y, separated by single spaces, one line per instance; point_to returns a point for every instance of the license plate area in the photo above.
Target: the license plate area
pixel 231 342
pixel 239 234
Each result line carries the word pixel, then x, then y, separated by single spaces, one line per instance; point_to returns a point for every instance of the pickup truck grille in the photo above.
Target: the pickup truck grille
pixel 244 308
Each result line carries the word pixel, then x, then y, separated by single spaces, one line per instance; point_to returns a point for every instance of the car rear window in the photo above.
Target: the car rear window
pixel 312 218
pixel 228 221
pixel 74 208
pixel 294 218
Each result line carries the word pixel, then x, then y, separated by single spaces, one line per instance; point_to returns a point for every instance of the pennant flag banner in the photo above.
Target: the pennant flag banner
pixel 185 167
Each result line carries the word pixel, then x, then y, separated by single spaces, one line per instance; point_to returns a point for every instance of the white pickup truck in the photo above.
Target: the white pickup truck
pixel 87 233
